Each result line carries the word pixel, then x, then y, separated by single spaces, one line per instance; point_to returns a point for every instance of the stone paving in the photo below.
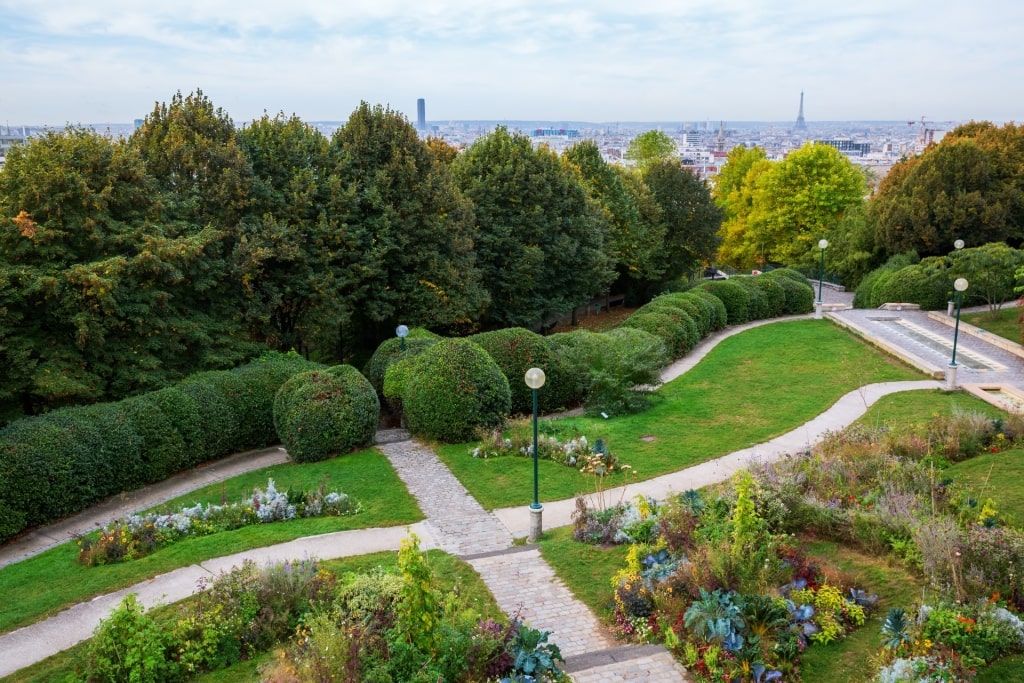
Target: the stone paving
pixel 462 526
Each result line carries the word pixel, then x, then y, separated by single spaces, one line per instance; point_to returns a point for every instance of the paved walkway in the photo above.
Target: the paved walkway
pixel 517 575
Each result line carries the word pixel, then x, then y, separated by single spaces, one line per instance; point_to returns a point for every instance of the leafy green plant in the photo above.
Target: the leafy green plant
pixel 534 658
pixel 130 646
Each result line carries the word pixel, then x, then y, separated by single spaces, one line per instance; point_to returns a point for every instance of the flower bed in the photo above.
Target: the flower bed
pixel 140 535
pixel 577 453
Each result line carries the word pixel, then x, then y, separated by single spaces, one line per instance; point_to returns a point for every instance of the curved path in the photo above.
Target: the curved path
pixel 517 575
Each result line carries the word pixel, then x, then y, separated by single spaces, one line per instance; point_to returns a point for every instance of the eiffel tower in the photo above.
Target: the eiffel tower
pixel 800 125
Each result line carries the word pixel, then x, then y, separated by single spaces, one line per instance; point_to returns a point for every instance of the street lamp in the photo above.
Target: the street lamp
pixel 960 286
pixel 823 245
pixel 402 331
pixel 535 380
pixel 958 245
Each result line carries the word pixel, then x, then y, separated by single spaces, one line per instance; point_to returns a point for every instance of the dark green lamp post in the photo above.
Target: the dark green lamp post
pixel 535 380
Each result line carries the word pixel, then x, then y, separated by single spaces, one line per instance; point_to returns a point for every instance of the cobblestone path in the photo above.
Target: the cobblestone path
pixel 521 581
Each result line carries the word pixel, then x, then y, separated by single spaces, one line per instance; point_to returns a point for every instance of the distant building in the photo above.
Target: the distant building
pixel 421 114
pixel 847 146
pixel 566 133
pixel 8 140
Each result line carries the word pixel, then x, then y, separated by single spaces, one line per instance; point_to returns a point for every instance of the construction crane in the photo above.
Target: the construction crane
pixel 926 135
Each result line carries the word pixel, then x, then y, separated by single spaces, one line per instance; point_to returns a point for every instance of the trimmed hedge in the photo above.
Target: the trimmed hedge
pixel 734 296
pixel 390 350
pixel 568 349
pixel 720 316
pixel 323 413
pixel 799 296
pixel 516 350
pixel 663 326
pixel 789 274
pixel 66 460
pixel 702 313
pixel 774 294
pixel 757 303
pixel 455 390
pixel 913 284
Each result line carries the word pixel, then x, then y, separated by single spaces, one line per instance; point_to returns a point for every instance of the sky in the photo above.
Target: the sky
pixel 111 61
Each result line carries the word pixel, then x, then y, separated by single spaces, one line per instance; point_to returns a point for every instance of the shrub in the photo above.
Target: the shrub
pixel 665 327
pixel 455 389
pixel 186 417
pixel 757 303
pixel 572 351
pixel 864 297
pixel 323 413
pixel 774 294
pixel 788 274
pixel 915 284
pixel 395 378
pixel 680 315
pixel 131 646
pixel 389 351
pixel 263 377
pixel 218 420
pixel 516 350
pixel 162 449
pixel 734 296
pixel 700 310
pixel 623 368
pixel 799 296
pixel 719 315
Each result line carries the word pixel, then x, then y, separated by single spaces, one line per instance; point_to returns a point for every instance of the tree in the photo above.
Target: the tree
pixel 688 215
pixel 282 258
pixel 633 240
pixel 991 271
pixel 953 191
pixel 540 240
pixel 98 299
pixel 190 149
pixel 734 194
pixel 650 147
pixel 408 230
pixel 795 202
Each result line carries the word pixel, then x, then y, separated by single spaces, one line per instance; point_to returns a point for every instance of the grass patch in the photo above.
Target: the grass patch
pixel 450 574
pixel 912 409
pixel 996 476
pixel 47 583
pixel 1003 324
pixel 586 569
pixel 714 409
pixel 849 660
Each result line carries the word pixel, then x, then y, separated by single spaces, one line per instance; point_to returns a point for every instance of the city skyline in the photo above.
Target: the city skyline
pixel 600 61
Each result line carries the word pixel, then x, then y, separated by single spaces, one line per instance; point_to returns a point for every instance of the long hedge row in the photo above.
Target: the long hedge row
pixel 59 463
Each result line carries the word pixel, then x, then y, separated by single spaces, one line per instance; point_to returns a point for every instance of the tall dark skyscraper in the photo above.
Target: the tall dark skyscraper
pixel 800 125
pixel 421 114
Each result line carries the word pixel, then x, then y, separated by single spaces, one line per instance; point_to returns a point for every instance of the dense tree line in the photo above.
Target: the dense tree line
pixel 126 264
pixel 969 186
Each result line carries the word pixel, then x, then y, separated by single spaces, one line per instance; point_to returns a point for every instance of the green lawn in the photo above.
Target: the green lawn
pixel 586 569
pixel 450 573
pixel 716 408
pixel 47 583
pixel 910 409
pixel 997 476
pixel 1003 324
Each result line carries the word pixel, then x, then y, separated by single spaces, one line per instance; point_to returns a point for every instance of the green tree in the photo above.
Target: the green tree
pixel 688 215
pixel 797 201
pixel 408 230
pixel 540 243
pixel 649 147
pixel 733 193
pixel 190 149
pixel 991 271
pixel 282 258
pixel 633 240
pixel 952 191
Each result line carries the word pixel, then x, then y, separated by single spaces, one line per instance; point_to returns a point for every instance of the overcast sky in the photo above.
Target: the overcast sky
pixel 93 61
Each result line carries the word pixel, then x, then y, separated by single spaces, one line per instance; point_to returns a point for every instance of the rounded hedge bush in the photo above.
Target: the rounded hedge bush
pixel 455 390
pixel 799 296
pixel 719 315
pixel 218 422
pixel 671 332
pixel 395 378
pixel 734 296
pixel 699 310
pixel 323 413
pixel 516 350
pixel 162 448
pixel 774 294
pixel 571 351
pixel 789 274
pixel 914 284
pixel 680 316
pixel 390 350
pixel 758 307
pixel 185 414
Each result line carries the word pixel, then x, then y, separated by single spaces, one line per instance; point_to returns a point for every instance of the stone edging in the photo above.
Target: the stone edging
pixel 967 328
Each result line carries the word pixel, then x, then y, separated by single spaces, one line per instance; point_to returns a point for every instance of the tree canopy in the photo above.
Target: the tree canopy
pixel 649 147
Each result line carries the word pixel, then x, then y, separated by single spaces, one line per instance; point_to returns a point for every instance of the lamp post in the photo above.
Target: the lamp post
pixel 402 331
pixel 960 286
pixel 958 245
pixel 535 380
pixel 823 245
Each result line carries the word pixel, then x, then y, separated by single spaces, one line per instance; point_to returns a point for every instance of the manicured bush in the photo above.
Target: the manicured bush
pixel 719 314
pixel 395 378
pixel 623 370
pixel 799 296
pixel 913 284
pixel 571 351
pixel 789 274
pixel 516 350
pixel 218 422
pixel 389 351
pixel 735 298
pixel 757 302
pixel 678 313
pixel 323 413
pixel 864 297
pixel 162 448
pixel 775 296
pixel 455 390
pixel 698 309
pixel 662 325
pixel 186 416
